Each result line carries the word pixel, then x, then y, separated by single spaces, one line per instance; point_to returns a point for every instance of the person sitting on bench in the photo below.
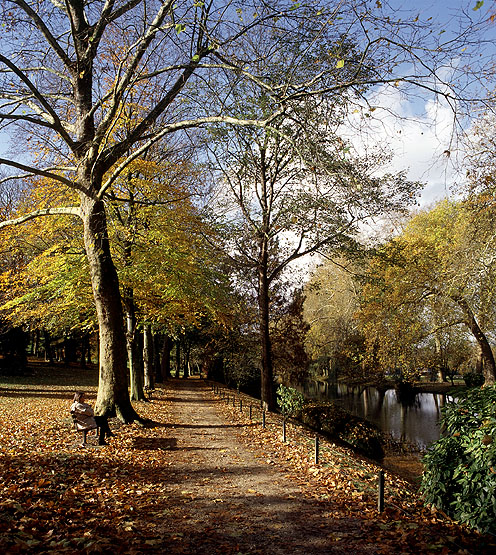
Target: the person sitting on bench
pixel 86 420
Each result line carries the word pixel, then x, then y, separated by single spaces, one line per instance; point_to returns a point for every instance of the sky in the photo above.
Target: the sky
pixel 419 140
pixel 422 139
pixel 422 135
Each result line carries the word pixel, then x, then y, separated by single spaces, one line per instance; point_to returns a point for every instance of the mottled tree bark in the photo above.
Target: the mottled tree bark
pixel 137 392
pixel 113 396
pixel 148 357
pixel 165 363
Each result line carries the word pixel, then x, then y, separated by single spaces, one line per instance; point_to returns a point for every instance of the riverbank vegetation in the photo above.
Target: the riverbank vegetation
pixel 460 469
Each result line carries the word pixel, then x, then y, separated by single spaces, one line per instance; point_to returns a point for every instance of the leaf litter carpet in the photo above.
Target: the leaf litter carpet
pixel 202 477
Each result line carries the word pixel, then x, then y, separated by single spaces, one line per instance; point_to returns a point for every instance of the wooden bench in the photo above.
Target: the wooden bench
pixel 75 422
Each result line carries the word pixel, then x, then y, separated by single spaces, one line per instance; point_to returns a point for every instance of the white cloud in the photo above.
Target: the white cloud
pixel 420 133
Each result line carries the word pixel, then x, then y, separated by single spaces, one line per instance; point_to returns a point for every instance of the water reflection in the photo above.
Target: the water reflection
pixel 417 423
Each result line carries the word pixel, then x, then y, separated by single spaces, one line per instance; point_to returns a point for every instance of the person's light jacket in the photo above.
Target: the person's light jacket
pixel 85 417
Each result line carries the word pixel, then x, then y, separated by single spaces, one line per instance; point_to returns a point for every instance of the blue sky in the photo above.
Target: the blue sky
pixel 420 144
pixel 421 140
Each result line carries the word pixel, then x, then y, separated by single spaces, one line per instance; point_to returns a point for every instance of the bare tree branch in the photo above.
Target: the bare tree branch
pixel 172 128
pixel 52 118
pixel 43 173
pixel 63 210
pixel 52 41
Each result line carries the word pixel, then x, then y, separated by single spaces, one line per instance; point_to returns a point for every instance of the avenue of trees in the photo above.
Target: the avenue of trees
pixel 169 162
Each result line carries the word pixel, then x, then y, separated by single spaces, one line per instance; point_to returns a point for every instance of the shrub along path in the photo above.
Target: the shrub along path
pixel 203 479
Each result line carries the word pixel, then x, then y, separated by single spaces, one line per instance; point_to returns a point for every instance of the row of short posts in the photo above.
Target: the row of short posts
pixel 381 479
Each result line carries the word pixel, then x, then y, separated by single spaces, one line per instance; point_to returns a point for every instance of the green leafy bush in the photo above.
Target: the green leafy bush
pixel 460 468
pixel 289 400
pixel 340 424
pixel 472 379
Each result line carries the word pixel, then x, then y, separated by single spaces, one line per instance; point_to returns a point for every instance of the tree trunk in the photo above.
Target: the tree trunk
pixel 85 350
pixel 135 373
pixel 157 349
pixel 441 371
pixel 488 362
pixel 148 357
pixel 178 357
pixel 48 347
pixel 267 378
pixel 36 343
pixel 165 364
pixel 113 395
pixel 186 353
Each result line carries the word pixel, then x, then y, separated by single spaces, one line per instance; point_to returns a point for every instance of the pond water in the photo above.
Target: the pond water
pixel 417 423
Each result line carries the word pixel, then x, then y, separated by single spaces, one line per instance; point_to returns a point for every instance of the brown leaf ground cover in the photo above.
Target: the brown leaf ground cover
pixel 202 478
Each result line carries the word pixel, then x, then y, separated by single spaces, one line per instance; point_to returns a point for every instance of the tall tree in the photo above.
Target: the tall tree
pixel 331 300
pixel 288 331
pixel 438 273
pixel 297 194
pixel 70 68
pixel 142 198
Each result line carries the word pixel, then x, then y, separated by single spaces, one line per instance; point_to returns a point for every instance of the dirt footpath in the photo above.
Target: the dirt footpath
pixel 201 477
pixel 229 500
